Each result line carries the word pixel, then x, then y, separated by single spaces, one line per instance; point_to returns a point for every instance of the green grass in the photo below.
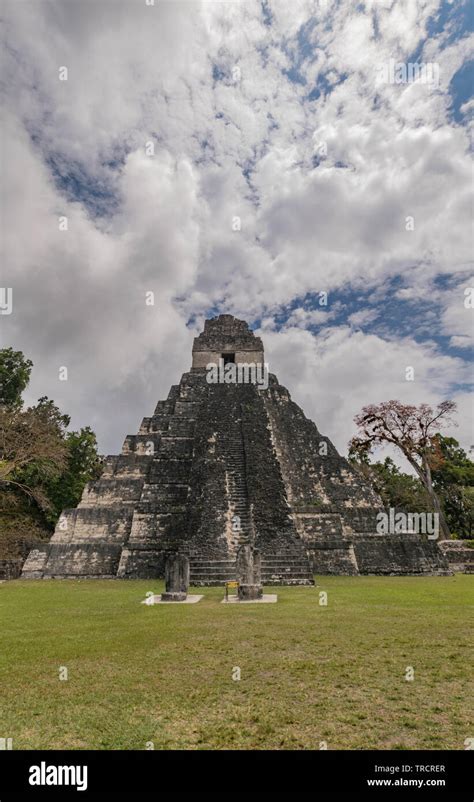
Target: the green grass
pixel 308 673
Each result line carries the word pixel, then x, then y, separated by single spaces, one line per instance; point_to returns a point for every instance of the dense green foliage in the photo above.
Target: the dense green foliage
pixel 43 467
pixel 15 373
pixel 398 489
pixel 453 481
pixel 82 466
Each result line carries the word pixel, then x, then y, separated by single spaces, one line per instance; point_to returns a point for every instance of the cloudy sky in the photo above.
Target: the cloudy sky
pixel 239 157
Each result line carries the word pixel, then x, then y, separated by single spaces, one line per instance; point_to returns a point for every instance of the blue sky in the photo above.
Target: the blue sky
pixel 283 165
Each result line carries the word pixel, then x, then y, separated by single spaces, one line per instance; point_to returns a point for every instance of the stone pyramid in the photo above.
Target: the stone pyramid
pixel 222 464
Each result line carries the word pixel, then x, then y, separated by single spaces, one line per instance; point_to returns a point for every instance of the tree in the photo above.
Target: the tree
pixel 43 467
pixel 82 465
pixel 396 489
pixel 458 505
pixel 14 376
pixel 453 480
pixel 411 429
pixel 32 448
pixel 450 464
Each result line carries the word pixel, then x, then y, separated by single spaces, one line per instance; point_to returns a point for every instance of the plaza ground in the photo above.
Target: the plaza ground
pixel 308 673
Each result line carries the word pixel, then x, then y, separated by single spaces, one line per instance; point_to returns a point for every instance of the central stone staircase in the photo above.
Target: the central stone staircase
pixel 284 560
pixel 237 493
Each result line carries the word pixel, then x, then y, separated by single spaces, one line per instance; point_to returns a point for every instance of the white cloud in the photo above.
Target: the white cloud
pixel 458 315
pixel 334 374
pixel 363 317
pixel 242 146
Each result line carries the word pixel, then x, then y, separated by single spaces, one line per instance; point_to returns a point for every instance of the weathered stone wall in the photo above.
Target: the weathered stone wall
pixel 141 563
pixel 330 556
pixel 316 476
pixel 226 334
pixel 201 359
pixel 398 554
pixel 334 509
pixel 458 555
pixel 33 567
pixel 10 569
pixel 328 499
pixel 159 517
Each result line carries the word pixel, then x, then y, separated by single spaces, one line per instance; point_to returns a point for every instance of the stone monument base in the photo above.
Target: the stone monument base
pixel 178 597
pixel 158 599
pixel 267 598
pixel 249 592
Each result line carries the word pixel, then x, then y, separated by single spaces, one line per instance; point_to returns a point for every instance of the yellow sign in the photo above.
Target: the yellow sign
pixel 232 584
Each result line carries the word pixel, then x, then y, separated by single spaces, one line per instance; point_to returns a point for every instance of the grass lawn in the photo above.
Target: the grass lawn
pixel 309 673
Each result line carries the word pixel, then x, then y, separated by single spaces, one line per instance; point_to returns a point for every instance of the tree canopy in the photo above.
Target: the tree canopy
pixel 444 474
pixel 15 373
pixel 43 466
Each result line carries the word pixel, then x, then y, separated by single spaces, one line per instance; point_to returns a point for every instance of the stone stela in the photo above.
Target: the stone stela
pixel 249 574
pixel 176 578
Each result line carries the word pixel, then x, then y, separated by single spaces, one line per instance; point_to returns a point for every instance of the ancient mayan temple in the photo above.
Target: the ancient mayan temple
pixel 219 465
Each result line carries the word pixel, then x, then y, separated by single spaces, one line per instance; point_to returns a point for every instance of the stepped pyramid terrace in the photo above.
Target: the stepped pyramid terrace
pixel 228 459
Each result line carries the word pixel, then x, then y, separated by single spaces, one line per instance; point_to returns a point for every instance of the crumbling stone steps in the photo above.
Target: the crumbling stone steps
pixel 282 557
pixel 291 562
pixel 302 571
pixel 283 580
pixel 238 500
pixel 210 562
pixel 211 572
pixel 286 567
pixel 205 573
